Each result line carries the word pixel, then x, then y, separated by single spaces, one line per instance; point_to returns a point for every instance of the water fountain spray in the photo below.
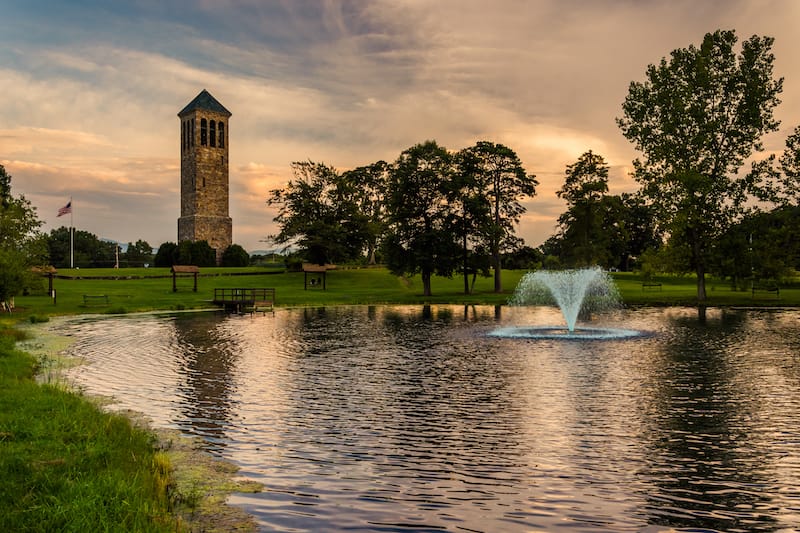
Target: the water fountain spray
pixel 578 292
pixel 587 290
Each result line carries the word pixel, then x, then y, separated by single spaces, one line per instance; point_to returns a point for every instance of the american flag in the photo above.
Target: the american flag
pixel 67 209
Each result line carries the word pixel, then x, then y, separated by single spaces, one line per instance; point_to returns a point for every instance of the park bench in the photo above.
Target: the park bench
pixel 767 287
pixel 95 299
pixel 262 306
pixel 651 286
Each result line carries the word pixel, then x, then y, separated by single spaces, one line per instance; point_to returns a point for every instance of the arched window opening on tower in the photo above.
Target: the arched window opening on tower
pixel 203 132
pixel 221 135
pixel 212 137
pixel 191 136
pixel 183 135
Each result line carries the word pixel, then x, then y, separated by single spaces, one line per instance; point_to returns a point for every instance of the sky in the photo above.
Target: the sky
pixel 91 90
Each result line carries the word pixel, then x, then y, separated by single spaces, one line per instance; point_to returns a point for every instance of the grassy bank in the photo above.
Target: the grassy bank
pixel 67 466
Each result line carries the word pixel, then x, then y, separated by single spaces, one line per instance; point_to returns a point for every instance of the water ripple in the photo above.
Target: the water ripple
pixel 416 419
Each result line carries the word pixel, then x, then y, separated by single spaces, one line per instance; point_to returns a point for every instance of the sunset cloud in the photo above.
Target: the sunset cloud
pixel 92 90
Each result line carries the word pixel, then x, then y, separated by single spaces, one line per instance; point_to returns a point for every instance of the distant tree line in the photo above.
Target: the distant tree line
pixel 88 251
pixel 199 253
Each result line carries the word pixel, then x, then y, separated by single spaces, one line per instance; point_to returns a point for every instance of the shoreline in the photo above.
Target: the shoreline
pixel 200 483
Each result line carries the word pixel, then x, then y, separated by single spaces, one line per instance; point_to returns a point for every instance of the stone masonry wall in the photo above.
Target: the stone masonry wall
pixel 204 185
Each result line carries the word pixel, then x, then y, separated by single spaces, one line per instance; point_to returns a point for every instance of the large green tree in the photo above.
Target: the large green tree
pixel 319 212
pixel 21 244
pixel 696 118
pixel 167 255
pixel 497 171
pixel 582 225
pixel 235 256
pixel 367 188
pixel 420 239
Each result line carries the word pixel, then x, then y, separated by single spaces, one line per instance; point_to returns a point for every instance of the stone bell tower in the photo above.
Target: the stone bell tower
pixel 204 174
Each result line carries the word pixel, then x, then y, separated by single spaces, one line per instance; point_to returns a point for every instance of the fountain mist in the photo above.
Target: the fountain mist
pixel 588 290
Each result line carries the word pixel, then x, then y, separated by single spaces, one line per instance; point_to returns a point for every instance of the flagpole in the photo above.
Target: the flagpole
pixel 71 241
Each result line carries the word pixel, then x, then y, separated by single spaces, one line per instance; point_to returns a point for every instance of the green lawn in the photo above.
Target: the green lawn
pixel 682 290
pixel 151 289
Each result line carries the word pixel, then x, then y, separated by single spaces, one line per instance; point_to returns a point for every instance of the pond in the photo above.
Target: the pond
pixel 410 418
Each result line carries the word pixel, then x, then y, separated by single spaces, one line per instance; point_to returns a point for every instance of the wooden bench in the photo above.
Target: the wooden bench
pixel 766 288
pixel 651 286
pixel 262 306
pixel 95 299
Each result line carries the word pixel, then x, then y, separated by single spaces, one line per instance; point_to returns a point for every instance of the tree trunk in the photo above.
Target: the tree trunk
pixel 701 283
pixel 466 273
pixel 700 266
pixel 371 253
pixel 426 283
pixel 498 282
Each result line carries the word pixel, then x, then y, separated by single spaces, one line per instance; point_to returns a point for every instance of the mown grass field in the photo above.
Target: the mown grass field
pixel 135 290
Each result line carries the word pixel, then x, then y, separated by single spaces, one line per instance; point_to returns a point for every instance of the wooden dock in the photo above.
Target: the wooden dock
pixel 245 300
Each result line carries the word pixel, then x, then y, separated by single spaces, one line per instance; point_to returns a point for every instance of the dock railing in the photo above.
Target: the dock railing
pixel 242 299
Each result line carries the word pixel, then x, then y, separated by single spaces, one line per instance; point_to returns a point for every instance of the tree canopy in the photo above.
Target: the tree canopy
pixel 582 225
pixel 499 183
pixel 235 256
pixel 21 243
pixel 763 246
pixel 320 212
pixel 367 186
pixel 420 239
pixel 138 253
pixel 88 249
pixel 697 118
pixel 598 228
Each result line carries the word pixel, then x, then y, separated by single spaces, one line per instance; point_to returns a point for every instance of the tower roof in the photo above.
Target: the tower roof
pixel 204 100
